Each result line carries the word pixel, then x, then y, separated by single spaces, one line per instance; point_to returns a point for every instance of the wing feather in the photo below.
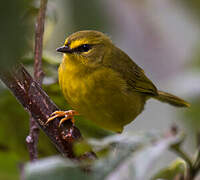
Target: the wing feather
pixel 131 72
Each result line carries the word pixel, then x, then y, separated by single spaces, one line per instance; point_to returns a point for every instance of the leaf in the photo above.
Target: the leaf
pixel 81 147
pixel 54 168
pixel 9 165
pixel 130 157
pixel 193 6
pixel 193 115
pixel 176 168
pixel 133 156
pixel 13 32
pixel 143 160
pixel 14 129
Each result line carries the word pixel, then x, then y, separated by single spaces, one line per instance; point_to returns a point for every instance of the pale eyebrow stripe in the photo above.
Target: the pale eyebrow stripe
pixel 77 43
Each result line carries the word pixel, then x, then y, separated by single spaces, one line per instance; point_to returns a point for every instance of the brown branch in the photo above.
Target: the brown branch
pixel 32 138
pixel 39 32
pixel 38 104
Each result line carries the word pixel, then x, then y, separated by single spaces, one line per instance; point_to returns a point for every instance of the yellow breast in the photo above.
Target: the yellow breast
pixel 99 95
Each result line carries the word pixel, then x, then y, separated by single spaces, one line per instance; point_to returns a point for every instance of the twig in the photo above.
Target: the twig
pixel 196 164
pixel 32 138
pixel 21 168
pixel 193 165
pixel 183 155
pixel 39 32
pixel 189 172
pixel 176 148
pixel 38 104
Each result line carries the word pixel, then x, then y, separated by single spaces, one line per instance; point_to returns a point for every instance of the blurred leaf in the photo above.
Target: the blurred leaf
pixel 9 165
pixel 195 59
pixel 13 131
pixel 192 5
pixel 50 64
pixel 127 164
pixel 31 10
pixel 81 147
pixel 178 167
pixel 14 31
pixel 88 15
pixel 132 157
pixel 54 168
pixel 112 163
pixel 48 59
pixel 14 124
pixel 191 116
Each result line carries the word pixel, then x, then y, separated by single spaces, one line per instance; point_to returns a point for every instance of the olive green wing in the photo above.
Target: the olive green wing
pixel 131 72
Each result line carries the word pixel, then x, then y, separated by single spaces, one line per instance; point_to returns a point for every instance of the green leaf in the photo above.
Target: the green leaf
pixel 9 165
pixel 176 168
pixel 14 33
pixel 81 147
pixel 15 127
pixel 193 6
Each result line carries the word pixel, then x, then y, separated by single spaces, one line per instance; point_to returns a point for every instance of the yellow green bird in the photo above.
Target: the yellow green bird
pixel 103 84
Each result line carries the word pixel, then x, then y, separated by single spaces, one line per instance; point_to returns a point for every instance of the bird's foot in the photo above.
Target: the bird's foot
pixel 67 115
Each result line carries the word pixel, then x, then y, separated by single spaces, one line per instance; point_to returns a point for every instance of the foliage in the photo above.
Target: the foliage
pixel 54 168
pixel 193 6
pixel 14 31
pixel 175 169
pixel 129 156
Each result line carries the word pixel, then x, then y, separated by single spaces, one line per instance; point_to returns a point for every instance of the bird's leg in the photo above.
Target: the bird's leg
pixel 68 115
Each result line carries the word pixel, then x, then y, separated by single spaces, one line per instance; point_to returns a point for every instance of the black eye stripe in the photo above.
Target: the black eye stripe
pixel 83 48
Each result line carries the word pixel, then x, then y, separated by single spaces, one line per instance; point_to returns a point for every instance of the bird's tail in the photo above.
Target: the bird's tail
pixel 171 99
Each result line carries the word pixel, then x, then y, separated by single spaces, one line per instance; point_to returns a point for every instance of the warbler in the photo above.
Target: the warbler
pixel 103 84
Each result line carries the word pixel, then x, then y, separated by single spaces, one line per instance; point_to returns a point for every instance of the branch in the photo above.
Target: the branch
pixel 196 165
pixel 32 138
pixel 39 32
pixel 38 104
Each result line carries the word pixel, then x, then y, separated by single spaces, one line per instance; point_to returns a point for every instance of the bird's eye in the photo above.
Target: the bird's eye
pixel 84 48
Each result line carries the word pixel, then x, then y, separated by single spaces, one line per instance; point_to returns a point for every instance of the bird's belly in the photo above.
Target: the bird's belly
pixel 103 102
pixel 109 109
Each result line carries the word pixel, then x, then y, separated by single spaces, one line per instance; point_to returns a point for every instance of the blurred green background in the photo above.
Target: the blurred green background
pixel 163 37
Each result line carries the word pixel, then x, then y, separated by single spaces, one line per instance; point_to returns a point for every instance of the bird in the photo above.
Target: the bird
pixel 103 84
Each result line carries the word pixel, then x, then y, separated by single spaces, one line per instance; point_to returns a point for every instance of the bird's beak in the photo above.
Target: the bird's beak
pixel 64 49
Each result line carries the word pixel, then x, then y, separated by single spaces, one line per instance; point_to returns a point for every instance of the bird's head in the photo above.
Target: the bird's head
pixel 86 47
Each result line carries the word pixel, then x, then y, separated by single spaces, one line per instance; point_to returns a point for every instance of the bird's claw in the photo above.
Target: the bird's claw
pixel 68 115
